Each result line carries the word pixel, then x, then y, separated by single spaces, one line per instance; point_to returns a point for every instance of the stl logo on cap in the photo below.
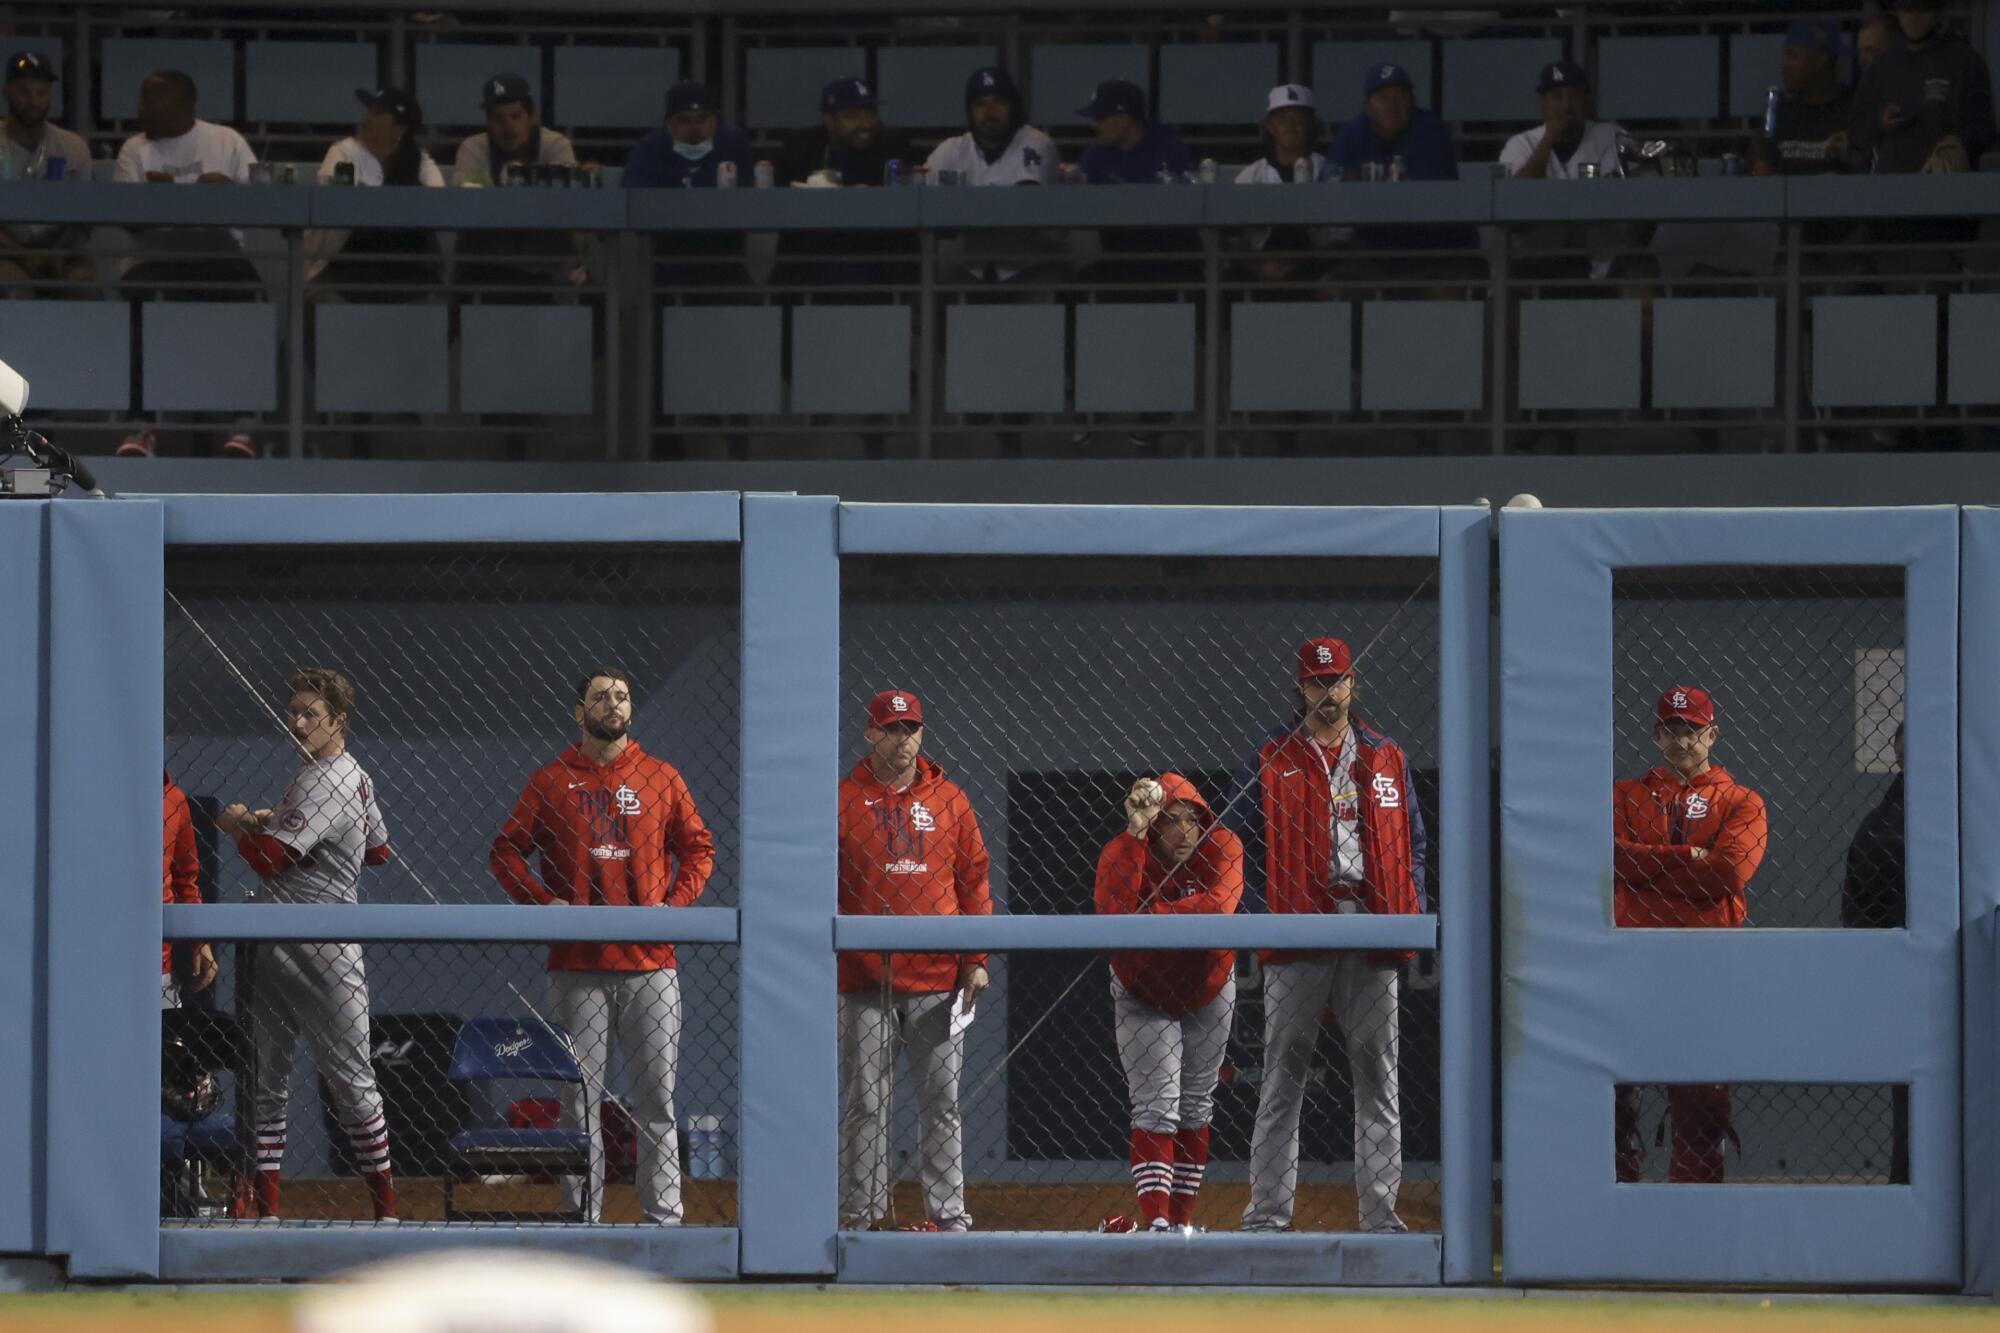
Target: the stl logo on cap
pixel 1680 698
pixel 898 704
pixel 1324 654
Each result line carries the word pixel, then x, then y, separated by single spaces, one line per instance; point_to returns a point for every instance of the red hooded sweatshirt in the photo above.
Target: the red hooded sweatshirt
pixel 180 865
pixel 1130 879
pixel 1659 820
pixel 620 834
pixel 909 853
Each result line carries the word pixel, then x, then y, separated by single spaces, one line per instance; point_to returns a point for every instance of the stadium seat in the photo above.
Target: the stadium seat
pixel 492 1050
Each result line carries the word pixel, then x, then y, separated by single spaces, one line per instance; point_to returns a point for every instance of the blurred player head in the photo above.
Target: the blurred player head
pixel 1684 729
pixel 321 703
pixel 895 733
pixel 604 704
pixel 1326 683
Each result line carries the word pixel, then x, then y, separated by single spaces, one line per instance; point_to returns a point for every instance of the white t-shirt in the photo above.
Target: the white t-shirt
pixel 1344 818
pixel 1029 156
pixel 203 149
pixel 1599 145
pixel 368 169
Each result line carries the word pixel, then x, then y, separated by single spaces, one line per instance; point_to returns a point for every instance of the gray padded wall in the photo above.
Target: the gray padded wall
pixel 381 358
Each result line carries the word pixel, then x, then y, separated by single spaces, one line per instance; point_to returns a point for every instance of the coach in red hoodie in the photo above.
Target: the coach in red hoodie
pixel 1172 1007
pixel 1330 799
pixel 180 876
pixel 1687 839
pixel 909 846
pixel 613 826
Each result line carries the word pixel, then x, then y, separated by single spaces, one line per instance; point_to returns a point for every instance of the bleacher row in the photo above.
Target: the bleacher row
pixel 605 84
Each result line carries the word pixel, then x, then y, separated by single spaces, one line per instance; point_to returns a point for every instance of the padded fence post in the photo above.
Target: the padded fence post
pixel 1979 887
pixel 791 683
pixel 23 911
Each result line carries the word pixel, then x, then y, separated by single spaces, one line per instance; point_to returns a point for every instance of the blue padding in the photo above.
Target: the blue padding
pixel 23 875
pixel 613 87
pixel 489 1048
pixel 297 1253
pixel 126 61
pixel 74 354
pixel 494 922
pixel 1979 797
pixel 1587 1006
pixel 1096 933
pixel 263 520
pixel 383 358
pixel 1464 857
pixel 309 83
pixel 784 82
pixel 208 356
pixel 789 1085
pixel 104 838
pixel 1216 83
pixel 502 1139
pixel 1658 78
pixel 1062 76
pixel 925 85
pixel 449 75
pixel 1222 1258
pixel 1169 530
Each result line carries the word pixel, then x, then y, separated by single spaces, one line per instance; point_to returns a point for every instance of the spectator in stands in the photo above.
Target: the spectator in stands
pixel 1567 144
pixel 1813 115
pixel 850 145
pixel 1132 150
pixel 513 137
pixel 174 145
pixel 33 147
pixel 1926 104
pixel 1391 126
pixel 383 150
pixel 999 146
pixel 1871 40
pixel 688 152
pixel 1290 128
pixel 691 147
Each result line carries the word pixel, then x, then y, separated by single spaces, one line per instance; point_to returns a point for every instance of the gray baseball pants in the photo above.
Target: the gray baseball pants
pixel 1170 1063
pixel 319 992
pixel 872 1029
pixel 642 1011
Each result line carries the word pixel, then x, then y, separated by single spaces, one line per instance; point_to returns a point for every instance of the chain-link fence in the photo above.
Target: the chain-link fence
pixel 365 725
pixel 1008 719
pixel 1759 758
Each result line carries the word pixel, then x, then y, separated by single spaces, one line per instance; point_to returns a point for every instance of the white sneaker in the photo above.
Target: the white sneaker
pixel 1395 1226
pixel 1160 1226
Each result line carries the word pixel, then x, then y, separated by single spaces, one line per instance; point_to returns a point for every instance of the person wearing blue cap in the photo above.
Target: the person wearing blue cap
pixel 1568 140
pixel 1132 150
pixel 1391 125
pixel 514 136
pixel 849 146
pixel 1814 107
pixel 693 143
pixel 999 146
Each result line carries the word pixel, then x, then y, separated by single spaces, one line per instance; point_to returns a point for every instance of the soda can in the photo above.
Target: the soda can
pixel 1396 167
pixel 1586 171
pixel 1372 171
pixel 590 177
pixel 1773 98
pixel 1732 164
pixel 765 175
pixel 53 169
pixel 1209 171
pixel 892 172
pixel 515 174
pixel 725 175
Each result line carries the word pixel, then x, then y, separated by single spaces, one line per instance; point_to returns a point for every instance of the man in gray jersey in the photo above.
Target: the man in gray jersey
pixel 311 850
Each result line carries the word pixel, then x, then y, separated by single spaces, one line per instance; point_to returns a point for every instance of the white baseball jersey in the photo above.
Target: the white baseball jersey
pixel 330 821
pixel 1599 147
pixel 187 157
pixel 1029 156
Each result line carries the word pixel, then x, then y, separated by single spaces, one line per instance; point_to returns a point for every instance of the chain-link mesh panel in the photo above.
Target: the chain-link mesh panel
pixel 464 666
pixel 447 1082
pixel 1012 719
pixel 1764 1133
pixel 1800 674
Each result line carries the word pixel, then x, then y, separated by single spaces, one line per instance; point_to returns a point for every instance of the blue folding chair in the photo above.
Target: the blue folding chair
pixel 519 1049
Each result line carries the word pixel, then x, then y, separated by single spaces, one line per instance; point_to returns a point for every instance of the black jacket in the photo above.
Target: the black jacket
pixel 1872 897
pixel 1913 96
pixel 809 150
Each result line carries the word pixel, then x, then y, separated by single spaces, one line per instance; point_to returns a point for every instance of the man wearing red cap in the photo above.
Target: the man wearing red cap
pixel 1688 839
pixel 909 846
pixel 1341 833
pixel 1172 1006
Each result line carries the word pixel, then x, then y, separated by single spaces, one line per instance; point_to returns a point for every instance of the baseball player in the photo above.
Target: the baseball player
pixel 1341 833
pixel 909 846
pixel 180 874
pixel 311 850
pixel 1688 839
pixel 612 825
pixel 1172 1007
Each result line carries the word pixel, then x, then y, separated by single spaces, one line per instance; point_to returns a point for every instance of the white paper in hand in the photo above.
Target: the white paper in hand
pixel 961 1019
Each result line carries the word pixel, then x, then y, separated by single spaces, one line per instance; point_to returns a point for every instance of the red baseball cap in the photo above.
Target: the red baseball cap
pixel 1324 657
pixel 1686 703
pixel 895 706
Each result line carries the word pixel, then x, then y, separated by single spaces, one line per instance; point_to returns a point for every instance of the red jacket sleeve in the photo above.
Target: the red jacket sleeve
pixel 1221 861
pixel 265 854
pixel 1121 875
pixel 184 880
pixel 693 848
pixel 516 843
pixel 970 865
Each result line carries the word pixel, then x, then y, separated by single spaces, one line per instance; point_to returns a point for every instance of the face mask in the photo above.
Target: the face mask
pixel 694 152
